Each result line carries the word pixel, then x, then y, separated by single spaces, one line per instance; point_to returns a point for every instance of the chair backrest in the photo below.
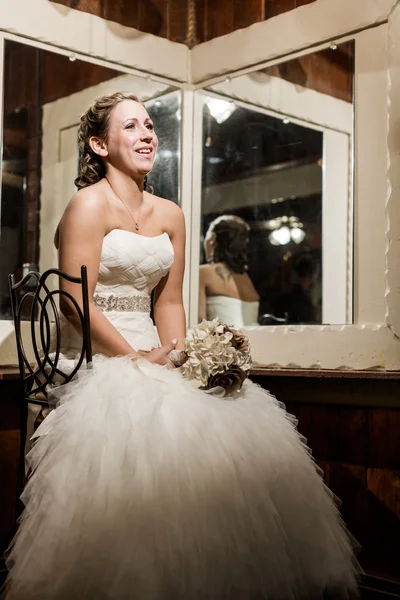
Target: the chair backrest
pixel 45 329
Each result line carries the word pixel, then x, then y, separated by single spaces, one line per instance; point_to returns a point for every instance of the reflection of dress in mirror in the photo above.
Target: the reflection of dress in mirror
pixel 226 290
pixel 297 305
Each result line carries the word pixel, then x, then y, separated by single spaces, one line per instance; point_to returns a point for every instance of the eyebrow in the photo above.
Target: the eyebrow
pixel 136 119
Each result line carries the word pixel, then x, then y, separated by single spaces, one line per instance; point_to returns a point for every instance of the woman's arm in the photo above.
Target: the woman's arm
pixel 169 313
pixel 81 233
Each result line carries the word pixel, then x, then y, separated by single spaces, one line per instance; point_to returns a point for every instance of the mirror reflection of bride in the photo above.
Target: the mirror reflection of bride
pixel 225 288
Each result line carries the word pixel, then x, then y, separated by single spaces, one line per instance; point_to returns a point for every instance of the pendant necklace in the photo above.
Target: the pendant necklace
pixel 136 221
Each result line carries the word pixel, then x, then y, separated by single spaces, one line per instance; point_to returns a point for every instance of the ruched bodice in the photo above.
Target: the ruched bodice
pixel 133 264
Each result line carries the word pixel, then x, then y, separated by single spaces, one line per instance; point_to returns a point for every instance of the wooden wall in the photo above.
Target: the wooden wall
pixel 353 430
pixel 169 18
pixel 326 71
pixel 11 417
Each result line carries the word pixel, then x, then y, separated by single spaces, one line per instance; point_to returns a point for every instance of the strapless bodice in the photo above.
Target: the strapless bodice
pixel 132 264
pixel 232 311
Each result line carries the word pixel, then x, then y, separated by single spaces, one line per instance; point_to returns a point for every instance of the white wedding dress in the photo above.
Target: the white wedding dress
pixel 145 488
pixel 232 311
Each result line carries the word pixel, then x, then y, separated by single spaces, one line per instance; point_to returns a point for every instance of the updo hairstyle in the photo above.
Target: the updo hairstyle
pixel 231 242
pixel 95 122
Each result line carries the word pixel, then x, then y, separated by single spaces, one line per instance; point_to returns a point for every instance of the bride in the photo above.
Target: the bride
pixel 142 486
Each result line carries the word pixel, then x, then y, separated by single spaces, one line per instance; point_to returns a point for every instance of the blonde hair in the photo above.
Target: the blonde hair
pixel 95 122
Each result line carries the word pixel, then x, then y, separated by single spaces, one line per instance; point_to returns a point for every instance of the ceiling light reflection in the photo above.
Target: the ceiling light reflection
pixel 220 109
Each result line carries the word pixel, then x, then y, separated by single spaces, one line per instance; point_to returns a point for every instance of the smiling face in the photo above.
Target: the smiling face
pixel 131 142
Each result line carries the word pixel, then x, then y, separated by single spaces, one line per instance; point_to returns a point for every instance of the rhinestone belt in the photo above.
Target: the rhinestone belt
pixel 122 303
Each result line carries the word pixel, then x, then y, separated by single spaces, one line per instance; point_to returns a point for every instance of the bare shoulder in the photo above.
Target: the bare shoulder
pixel 87 201
pixel 205 271
pixel 87 210
pixel 88 206
pixel 170 215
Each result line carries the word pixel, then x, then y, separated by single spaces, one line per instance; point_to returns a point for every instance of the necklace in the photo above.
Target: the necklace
pixel 136 221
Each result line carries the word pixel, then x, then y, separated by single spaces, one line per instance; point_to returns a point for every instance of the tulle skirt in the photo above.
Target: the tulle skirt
pixel 144 487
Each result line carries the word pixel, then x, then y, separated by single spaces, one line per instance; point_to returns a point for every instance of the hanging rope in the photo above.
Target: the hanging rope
pixel 191 38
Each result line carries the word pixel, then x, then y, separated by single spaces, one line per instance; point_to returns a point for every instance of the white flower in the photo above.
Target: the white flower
pixel 210 351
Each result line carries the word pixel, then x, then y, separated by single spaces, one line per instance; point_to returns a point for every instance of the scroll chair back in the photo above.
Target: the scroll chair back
pixel 45 330
pixel 33 299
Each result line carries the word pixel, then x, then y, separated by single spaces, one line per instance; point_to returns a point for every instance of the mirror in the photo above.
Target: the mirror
pixel 44 95
pixel 277 193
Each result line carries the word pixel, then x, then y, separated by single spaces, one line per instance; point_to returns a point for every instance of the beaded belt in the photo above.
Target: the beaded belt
pixel 108 302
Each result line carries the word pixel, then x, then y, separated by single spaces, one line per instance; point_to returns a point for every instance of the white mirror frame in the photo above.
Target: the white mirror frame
pixel 373 342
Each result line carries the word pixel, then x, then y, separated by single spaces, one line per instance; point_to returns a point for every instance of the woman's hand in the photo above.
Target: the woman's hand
pixel 159 356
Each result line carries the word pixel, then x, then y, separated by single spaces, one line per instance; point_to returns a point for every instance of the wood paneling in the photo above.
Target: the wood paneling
pixel 327 71
pixel 177 20
pixel 96 7
pixel 348 435
pixel 277 7
pixel 61 77
pixel 154 17
pixel 356 443
pixel 10 436
pixel 201 20
pixel 247 13
pixel 220 18
pixel 122 11
pixel 30 72
pixel 169 18
pixel 384 438
pixel 224 16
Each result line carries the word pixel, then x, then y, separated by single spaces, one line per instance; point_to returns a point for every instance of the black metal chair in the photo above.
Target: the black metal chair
pixel 32 297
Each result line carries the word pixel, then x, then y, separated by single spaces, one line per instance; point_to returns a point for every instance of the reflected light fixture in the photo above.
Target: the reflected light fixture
pixel 280 237
pixel 297 235
pixel 220 109
pixel 284 230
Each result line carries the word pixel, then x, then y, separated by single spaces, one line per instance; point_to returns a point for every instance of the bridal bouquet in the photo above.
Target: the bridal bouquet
pixel 217 357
